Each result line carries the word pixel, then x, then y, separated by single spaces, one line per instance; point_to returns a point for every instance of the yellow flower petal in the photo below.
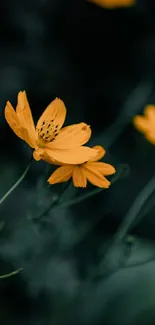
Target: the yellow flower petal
pixel 28 139
pixel 79 178
pixel 61 174
pixel 13 120
pixel 149 111
pixel 113 3
pixel 54 113
pixel 17 126
pixel 71 136
pixel 96 178
pixel 25 117
pixel 40 154
pixel 71 156
pixel 141 123
pixel 100 152
pixel 103 168
pixel 150 136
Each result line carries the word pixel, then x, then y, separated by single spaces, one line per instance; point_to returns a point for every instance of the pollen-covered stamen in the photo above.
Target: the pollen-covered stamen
pixel 48 131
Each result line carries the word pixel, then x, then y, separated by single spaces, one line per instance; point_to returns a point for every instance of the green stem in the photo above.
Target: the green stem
pixel 145 211
pixel 119 174
pixel 132 214
pixel 53 204
pixel 135 209
pixel 56 205
pixel 17 183
pixel 134 102
pixel 10 274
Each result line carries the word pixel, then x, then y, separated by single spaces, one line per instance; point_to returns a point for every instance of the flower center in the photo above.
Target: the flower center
pixel 47 133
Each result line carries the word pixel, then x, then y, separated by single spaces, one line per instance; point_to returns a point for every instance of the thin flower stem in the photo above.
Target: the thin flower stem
pixel 11 274
pixel 118 175
pixel 54 204
pixel 78 199
pixel 135 209
pixel 111 266
pixel 132 214
pixel 68 203
pixel 135 101
pixel 145 211
pixel 17 183
pixel 120 172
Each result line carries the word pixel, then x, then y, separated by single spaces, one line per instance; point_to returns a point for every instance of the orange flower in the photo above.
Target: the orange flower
pixel 113 3
pixel 49 141
pixel 146 123
pixel 93 171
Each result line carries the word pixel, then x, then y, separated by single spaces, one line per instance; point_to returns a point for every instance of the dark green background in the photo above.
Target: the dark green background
pixel 102 64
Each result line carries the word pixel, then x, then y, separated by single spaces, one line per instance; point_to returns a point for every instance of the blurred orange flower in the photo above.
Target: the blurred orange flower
pixel 146 123
pixel 93 171
pixel 113 3
pixel 49 140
